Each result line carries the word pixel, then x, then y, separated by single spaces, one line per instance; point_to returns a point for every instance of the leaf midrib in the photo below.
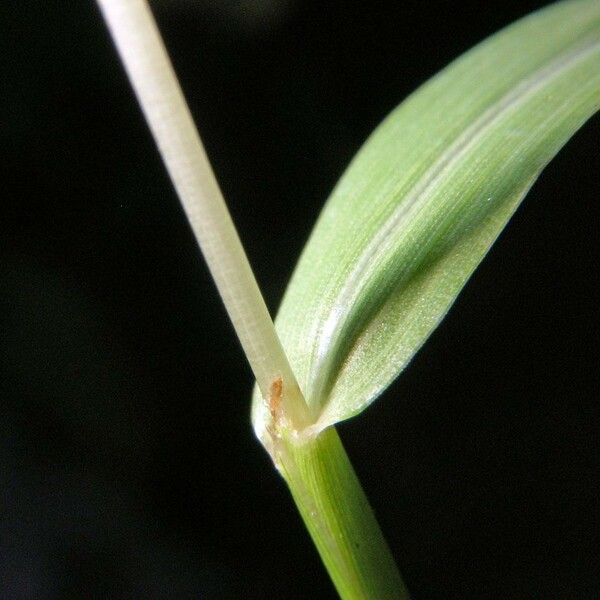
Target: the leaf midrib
pixel 339 317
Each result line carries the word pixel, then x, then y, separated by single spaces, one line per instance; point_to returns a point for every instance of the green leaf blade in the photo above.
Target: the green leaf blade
pixel 425 198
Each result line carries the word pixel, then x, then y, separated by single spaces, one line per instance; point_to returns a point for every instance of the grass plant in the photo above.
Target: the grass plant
pixel 407 224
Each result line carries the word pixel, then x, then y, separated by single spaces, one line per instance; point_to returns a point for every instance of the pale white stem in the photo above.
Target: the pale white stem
pixel 142 51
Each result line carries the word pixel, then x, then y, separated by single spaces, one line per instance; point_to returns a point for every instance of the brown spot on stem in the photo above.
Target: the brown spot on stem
pixel 275 393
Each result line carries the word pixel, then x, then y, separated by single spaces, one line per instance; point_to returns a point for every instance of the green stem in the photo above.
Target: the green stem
pixel 339 518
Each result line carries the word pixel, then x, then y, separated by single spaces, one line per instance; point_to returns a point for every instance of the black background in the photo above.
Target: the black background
pixel 128 467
